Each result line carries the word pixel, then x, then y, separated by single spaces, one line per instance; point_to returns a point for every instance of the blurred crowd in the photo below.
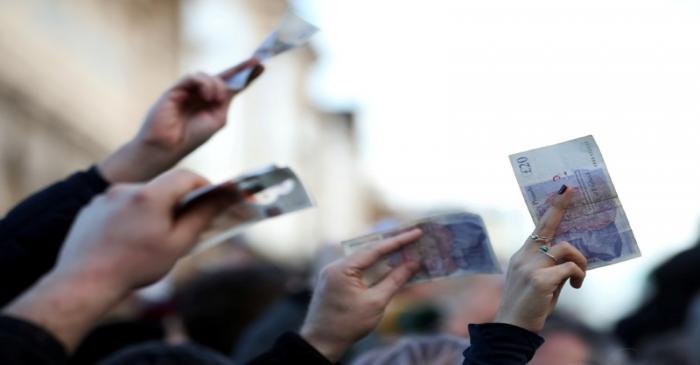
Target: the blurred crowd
pixel 74 255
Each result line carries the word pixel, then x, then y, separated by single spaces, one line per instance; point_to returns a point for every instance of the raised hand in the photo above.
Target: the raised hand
pixel 535 277
pixel 182 119
pixel 344 309
pixel 127 238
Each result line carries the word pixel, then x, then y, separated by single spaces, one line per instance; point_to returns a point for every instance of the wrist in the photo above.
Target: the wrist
pixel 136 161
pixel 65 305
pixel 330 348
pixel 513 320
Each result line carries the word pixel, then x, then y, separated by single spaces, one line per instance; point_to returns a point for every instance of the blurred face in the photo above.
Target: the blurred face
pixel 562 348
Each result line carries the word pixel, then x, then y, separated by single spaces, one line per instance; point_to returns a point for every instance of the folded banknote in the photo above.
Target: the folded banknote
pixel 255 196
pixel 594 222
pixel 291 32
pixel 451 245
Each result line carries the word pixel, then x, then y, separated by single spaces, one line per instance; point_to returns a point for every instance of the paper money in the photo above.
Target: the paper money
pixel 594 222
pixel 451 245
pixel 255 196
pixel 291 32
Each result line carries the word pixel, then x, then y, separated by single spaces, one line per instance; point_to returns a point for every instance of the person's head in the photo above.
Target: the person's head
pixel 418 350
pixel 570 341
pixel 158 353
pixel 216 307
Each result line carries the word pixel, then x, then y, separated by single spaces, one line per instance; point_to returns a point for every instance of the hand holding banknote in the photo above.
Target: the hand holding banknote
pixel 291 32
pixel 452 245
pixel 595 222
pixel 183 118
pixel 538 271
pixel 344 308
pixel 264 193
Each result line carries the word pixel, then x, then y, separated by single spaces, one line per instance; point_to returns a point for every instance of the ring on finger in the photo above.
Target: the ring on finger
pixel 545 251
pixel 537 238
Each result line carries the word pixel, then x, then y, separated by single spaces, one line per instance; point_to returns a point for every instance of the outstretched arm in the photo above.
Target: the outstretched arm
pixel 343 308
pixel 185 116
pixel 125 239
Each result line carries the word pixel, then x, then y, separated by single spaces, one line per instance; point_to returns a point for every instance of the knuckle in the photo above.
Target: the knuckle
pixel 539 282
pixel 141 196
pixel 115 191
pixel 375 302
pixel 328 271
pixel 191 175
pixel 574 268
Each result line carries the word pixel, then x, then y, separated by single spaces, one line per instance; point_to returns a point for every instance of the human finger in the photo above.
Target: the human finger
pixel 366 257
pixel 564 251
pixel 229 72
pixel 567 270
pixel 394 280
pixel 206 85
pixel 222 90
pixel 173 185
pixel 548 224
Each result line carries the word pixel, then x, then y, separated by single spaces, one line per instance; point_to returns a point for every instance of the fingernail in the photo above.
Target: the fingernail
pixel 562 189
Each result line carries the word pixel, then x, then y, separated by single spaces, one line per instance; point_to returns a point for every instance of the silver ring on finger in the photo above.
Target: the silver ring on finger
pixel 537 238
pixel 545 251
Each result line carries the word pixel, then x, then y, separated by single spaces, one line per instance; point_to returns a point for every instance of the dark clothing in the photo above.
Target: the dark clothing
pixel 32 233
pixel 290 348
pixel 25 343
pixel 500 344
pixel 111 337
pixel 287 315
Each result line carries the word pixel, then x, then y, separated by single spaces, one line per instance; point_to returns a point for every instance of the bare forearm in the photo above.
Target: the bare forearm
pixel 67 307
pixel 136 161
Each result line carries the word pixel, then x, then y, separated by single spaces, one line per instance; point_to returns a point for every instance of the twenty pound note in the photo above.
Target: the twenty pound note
pixel 255 196
pixel 451 245
pixel 594 222
pixel 291 32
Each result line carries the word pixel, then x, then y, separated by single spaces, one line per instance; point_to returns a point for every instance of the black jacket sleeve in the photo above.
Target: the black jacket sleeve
pixel 500 343
pixel 24 343
pixel 31 234
pixel 290 348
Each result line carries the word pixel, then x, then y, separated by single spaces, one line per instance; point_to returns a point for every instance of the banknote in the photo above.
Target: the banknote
pixel 451 245
pixel 255 196
pixel 291 32
pixel 595 221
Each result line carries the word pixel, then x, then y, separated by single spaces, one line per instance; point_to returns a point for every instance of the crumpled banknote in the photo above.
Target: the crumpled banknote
pixel 291 32
pixel 264 193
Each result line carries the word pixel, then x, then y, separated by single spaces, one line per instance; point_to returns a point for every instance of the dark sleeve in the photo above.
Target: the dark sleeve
pixel 290 348
pixel 500 343
pixel 31 234
pixel 24 343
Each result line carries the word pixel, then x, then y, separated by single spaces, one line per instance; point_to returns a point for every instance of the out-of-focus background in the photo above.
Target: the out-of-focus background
pixel 395 110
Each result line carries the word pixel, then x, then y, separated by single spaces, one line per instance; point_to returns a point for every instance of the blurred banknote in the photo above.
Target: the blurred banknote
pixel 451 245
pixel 595 222
pixel 255 196
pixel 291 32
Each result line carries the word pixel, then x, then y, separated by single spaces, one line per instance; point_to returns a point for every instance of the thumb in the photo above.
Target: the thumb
pixel 201 212
pixel 394 280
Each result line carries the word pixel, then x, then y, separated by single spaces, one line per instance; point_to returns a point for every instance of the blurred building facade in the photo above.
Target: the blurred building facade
pixel 274 121
pixel 77 77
